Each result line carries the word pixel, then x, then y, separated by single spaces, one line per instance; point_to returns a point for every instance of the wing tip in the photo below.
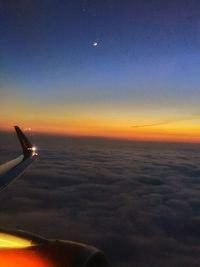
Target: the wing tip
pixel 28 149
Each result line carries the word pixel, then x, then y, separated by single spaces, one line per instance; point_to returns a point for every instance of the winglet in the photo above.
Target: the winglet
pixel 28 149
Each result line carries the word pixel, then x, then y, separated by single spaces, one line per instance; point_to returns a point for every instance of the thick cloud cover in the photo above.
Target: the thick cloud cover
pixel 139 202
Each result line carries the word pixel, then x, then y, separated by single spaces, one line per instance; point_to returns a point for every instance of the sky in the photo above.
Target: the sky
pixel 124 69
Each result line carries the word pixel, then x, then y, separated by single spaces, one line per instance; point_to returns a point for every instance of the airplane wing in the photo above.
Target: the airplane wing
pixel 14 168
pixel 20 249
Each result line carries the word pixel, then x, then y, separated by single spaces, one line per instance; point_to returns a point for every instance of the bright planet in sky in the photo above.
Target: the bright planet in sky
pixel 95 44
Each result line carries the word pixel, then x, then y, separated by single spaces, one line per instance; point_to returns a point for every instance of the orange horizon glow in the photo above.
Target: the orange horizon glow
pixel 181 132
pixel 96 119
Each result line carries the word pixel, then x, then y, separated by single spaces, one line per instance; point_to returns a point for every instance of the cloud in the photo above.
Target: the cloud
pixel 138 202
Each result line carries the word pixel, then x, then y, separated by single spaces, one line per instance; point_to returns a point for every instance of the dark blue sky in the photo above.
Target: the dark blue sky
pixel 147 54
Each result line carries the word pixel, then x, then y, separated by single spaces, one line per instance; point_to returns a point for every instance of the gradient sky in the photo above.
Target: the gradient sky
pixel 141 81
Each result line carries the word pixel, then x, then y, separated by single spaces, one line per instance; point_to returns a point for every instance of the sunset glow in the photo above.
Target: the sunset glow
pixel 140 83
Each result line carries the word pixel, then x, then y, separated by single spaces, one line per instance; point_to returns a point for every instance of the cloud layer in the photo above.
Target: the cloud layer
pixel 139 202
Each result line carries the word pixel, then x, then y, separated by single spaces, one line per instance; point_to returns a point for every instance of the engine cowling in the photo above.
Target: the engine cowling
pixel 20 249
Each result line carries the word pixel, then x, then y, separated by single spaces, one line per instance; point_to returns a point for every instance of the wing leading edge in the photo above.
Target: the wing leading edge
pixel 14 168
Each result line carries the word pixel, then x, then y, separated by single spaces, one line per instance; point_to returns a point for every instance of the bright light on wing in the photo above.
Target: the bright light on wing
pixel 33 149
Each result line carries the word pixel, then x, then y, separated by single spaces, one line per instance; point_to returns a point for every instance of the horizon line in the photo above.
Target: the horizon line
pixel 115 138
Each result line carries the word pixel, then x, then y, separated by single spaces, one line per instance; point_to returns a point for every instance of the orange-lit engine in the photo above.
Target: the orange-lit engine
pixel 22 258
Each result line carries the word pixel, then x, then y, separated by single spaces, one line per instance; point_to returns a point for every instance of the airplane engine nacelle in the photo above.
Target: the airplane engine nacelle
pixel 20 249
pixel 74 254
